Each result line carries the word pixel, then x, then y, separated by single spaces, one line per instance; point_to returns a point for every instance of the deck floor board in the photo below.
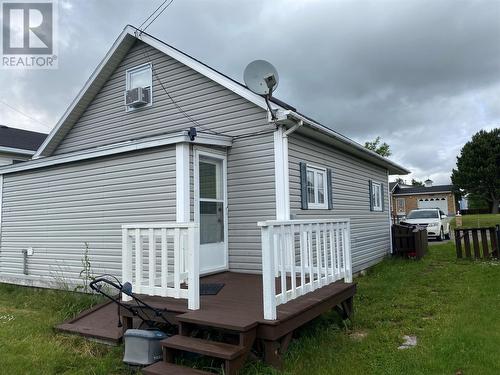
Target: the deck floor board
pixel 239 305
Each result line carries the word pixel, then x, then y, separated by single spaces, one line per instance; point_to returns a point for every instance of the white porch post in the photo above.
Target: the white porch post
pixel 193 248
pixel 1 203
pixel 281 175
pixel 183 215
pixel 268 283
pixel 182 182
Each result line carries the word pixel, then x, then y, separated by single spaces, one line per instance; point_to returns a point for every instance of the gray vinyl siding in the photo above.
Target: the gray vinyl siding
pixel 370 237
pixel 211 105
pixel 251 193
pixel 251 198
pixel 56 210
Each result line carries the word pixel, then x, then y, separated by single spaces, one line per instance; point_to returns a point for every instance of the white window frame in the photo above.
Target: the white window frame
pixel 398 200
pixel 377 193
pixel 135 69
pixel 315 205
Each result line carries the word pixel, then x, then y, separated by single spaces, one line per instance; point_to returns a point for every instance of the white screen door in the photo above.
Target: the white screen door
pixel 211 212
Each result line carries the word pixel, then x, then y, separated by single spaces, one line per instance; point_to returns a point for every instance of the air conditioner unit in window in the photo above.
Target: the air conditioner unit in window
pixel 137 97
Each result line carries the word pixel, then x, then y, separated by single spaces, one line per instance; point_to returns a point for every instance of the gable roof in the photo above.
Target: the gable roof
pixel 424 190
pixel 288 115
pixel 20 141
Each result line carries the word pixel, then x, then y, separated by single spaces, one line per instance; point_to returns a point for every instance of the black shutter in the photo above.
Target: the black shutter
pixel 329 187
pixel 370 189
pixel 382 196
pixel 303 186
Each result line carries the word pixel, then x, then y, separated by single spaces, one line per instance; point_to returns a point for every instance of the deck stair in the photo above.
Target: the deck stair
pixel 161 368
pixel 233 351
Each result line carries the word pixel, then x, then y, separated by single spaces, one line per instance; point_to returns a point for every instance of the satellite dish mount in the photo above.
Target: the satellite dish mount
pixel 262 78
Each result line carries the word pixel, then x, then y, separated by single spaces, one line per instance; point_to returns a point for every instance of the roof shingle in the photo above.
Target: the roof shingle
pixel 19 138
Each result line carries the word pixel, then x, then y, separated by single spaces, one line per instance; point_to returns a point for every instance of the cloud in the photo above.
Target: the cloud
pixel 423 74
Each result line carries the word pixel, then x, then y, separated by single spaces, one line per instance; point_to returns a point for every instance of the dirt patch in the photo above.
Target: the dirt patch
pixel 358 335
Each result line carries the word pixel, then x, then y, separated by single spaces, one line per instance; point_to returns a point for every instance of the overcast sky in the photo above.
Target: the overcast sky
pixel 423 75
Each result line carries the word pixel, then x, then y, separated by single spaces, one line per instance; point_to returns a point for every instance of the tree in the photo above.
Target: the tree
pixel 478 168
pixel 381 149
pixel 399 180
pixel 416 182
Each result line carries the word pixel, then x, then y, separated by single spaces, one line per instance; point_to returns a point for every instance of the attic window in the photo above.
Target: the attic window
pixel 140 77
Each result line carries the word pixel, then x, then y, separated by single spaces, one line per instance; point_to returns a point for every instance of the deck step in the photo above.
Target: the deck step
pixel 204 347
pixel 164 368
pixel 236 322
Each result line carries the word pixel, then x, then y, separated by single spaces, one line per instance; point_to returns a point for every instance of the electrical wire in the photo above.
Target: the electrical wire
pixel 22 113
pixel 151 15
pixel 179 108
pixel 154 19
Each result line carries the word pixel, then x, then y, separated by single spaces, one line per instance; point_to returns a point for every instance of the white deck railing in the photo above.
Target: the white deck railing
pixel 162 260
pixel 304 255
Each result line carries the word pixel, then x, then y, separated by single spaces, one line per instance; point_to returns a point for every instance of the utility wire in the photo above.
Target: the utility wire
pixel 22 113
pixel 151 15
pixel 179 108
pixel 161 9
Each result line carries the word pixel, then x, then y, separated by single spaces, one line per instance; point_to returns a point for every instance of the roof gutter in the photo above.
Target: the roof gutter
pixel 284 116
pixel 14 150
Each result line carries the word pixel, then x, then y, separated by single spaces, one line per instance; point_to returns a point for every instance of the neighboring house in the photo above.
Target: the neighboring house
pixel 106 165
pixel 407 197
pixel 18 145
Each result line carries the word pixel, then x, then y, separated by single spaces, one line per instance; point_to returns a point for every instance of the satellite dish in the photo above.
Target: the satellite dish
pixel 261 77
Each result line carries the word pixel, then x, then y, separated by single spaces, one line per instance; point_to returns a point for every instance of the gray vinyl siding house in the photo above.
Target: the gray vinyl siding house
pixel 103 167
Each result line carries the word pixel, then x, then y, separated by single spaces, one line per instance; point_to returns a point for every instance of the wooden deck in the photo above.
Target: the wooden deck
pixel 238 308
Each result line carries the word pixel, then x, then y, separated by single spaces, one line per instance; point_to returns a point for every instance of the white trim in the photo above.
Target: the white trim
pixel 326 192
pixel 285 116
pixel 282 189
pixel 183 199
pixel 74 104
pixel 135 69
pixel 13 150
pixel 423 193
pixel 268 223
pixel 376 185
pixel 162 140
pixel 389 205
pixel 128 36
pixel 221 155
pixel 203 69
pixel 1 206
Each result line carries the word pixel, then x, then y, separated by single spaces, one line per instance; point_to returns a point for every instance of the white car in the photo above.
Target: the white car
pixel 433 219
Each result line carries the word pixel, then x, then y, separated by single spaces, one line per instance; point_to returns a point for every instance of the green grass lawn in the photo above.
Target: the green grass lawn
pixel 451 306
pixel 474 221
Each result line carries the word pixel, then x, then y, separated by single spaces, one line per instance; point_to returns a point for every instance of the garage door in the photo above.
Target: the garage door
pixel 438 202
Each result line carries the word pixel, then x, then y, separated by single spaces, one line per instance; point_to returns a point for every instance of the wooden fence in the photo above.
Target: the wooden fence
pixel 478 243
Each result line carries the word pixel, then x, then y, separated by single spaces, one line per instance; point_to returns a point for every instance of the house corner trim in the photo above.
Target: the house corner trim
pixel 182 182
pixel 282 188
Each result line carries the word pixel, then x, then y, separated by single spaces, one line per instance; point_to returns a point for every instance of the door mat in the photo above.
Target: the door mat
pixel 210 289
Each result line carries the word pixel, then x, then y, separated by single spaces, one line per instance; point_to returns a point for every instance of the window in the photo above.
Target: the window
pixel 140 76
pixel 211 199
pixel 316 188
pixel 377 199
pixel 400 205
